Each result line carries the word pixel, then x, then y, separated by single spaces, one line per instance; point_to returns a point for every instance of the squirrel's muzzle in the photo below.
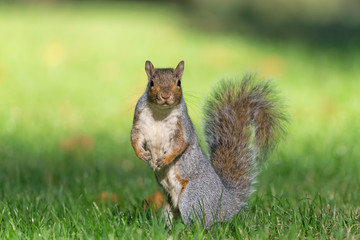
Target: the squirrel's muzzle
pixel 165 96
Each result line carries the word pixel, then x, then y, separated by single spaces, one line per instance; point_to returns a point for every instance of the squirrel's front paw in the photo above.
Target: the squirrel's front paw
pixel 159 163
pixel 146 156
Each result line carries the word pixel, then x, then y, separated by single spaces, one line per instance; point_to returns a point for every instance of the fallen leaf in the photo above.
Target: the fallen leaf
pixel 77 143
pixel 107 197
pixel 155 200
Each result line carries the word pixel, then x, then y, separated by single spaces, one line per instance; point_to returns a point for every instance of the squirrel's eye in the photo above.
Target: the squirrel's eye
pixel 179 83
pixel 151 83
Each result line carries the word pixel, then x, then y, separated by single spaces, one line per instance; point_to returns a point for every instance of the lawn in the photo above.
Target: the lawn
pixel 70 76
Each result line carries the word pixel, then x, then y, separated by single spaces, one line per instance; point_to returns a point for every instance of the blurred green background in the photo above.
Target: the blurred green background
pixel 71 73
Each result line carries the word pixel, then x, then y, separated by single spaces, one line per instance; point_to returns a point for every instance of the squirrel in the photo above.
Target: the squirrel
pixel 243 121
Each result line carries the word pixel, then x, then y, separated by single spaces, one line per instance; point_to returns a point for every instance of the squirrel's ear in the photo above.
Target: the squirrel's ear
pixel 149 68
pixel 179 69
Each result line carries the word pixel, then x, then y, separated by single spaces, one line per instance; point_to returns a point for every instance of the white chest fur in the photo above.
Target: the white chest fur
pixel 158 128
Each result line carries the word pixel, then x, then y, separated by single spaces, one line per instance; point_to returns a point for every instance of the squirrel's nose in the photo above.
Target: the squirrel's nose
pixel 165 96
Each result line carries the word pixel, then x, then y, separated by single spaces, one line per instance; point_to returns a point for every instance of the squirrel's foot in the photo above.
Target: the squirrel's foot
pixel 159 163
pixel 146 155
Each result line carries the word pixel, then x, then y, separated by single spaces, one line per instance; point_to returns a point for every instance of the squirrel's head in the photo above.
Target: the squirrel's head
pixel 164 84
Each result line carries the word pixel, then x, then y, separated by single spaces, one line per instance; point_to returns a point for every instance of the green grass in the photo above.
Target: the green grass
pixel 70 76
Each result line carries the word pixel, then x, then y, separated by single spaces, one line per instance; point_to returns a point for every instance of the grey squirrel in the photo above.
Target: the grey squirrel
pixel 243 121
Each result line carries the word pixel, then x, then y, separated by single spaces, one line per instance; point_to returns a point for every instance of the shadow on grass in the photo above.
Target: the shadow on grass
pixel 72 192
pixel 107 172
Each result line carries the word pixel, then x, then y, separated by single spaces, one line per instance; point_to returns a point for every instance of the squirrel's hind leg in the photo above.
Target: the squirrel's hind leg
pixel 192 206
pixel 196 205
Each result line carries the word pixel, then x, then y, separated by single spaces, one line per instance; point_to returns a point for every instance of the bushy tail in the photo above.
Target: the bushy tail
pixel 243 121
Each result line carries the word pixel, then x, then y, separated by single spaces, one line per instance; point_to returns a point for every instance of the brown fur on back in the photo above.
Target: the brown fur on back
pixel 243 122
